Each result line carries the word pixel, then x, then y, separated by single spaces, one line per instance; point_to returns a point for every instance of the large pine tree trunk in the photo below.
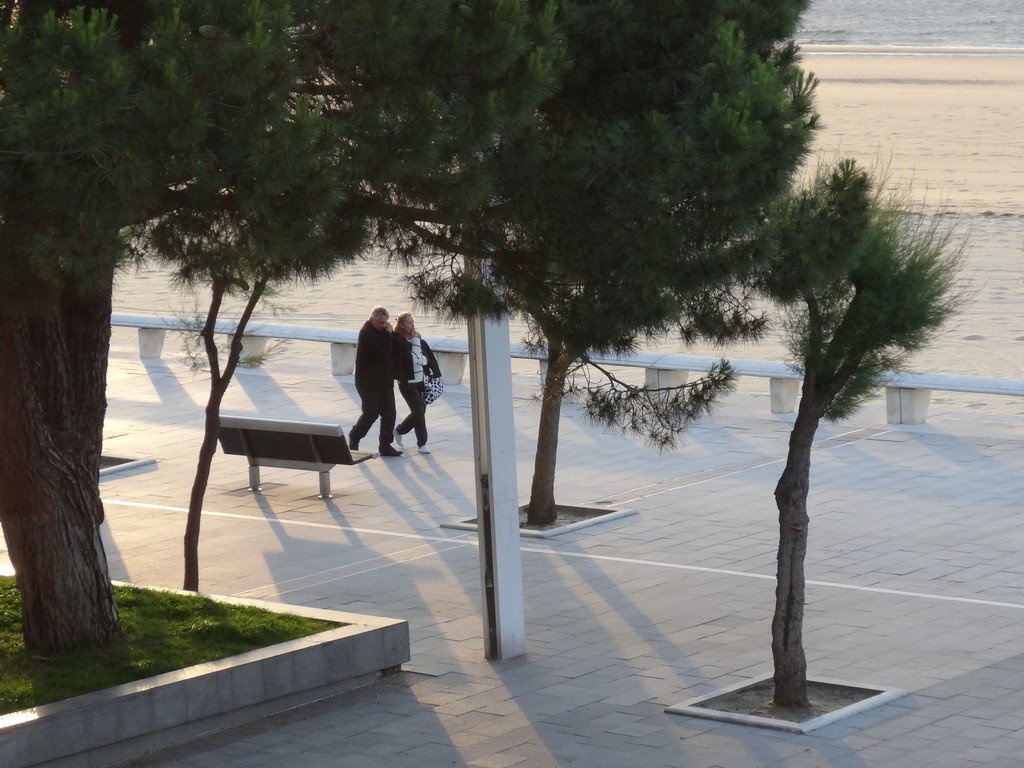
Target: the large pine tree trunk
pixel 791 499
pixel 542 509
pixel 52 405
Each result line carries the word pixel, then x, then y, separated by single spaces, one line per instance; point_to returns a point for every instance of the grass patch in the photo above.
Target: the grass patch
pixel 160 632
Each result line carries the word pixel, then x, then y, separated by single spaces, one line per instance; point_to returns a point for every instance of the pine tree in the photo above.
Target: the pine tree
pixel 617 213
pixel 864 282
pixel 71 177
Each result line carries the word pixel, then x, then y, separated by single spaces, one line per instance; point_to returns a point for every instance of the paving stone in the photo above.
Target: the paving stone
pixel 914 567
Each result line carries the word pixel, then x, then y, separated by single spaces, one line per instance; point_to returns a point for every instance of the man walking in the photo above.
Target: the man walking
pixel 376 358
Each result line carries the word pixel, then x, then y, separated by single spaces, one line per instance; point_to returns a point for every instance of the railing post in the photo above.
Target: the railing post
pixel 906 406
pixel 783 393
pixel 253 346
pixel 659 378
pixel 151 342
pixel 343 359
pixel 453 366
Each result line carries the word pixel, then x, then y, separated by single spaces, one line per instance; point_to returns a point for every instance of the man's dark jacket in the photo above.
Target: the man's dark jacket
pixel 376 357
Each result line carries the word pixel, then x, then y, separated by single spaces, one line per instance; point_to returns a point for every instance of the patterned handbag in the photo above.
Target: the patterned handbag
pixel 432 390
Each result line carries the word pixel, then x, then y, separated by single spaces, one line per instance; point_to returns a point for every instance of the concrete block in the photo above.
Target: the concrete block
pixel 343 359
pixel 253 346
pixel 657 378
pixel 151 343
pixel 783 393
pixel 906 406
pixel 453 366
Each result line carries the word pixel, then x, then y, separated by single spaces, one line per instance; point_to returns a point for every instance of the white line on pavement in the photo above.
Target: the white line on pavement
pixel 553 552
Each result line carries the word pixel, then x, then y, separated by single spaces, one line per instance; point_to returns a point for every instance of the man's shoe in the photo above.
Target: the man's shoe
pixel 353 444
pixel 398 436
pixel 424 449
pixel 387 450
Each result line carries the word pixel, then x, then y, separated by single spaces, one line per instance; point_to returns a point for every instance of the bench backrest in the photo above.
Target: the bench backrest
pixel 285 441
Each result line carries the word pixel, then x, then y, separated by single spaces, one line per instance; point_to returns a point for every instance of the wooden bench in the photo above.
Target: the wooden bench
pixel 288 445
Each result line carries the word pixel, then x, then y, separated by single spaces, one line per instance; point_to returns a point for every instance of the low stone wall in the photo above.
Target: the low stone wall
pixel 127 721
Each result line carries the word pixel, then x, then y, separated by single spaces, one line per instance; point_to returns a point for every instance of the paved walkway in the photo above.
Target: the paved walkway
pixel 915 568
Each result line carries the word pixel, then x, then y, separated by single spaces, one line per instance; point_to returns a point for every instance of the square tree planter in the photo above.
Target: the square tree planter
pixel 742 703
pixel 570 518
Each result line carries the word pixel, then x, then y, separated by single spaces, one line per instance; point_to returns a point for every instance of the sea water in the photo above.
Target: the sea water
pixel 921 23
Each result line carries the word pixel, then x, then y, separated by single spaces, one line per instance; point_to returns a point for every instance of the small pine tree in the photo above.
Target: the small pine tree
pixel 864 283
pixel 250 186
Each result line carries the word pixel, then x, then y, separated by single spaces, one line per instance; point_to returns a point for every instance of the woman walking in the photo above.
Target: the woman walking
pixel 416 364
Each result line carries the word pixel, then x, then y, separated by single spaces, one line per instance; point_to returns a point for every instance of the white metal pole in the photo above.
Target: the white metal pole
pixel 501 573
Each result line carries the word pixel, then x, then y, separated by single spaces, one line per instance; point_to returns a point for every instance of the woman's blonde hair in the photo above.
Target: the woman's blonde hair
pixel 401 318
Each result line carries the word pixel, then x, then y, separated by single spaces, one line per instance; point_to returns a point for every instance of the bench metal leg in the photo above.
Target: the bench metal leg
pixel 254 479
pixel 325 485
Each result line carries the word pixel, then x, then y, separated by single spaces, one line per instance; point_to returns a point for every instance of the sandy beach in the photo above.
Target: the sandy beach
pixel 946 121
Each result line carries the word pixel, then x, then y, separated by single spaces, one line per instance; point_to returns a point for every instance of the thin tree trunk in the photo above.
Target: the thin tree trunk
pixel 542 509
pixel 204 463
pixel 219 382
pixel 52 405
pixel 791 500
